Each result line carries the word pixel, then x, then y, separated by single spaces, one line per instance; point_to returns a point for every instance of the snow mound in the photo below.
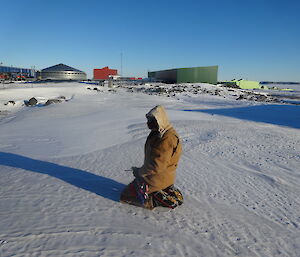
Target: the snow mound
pixel 63 166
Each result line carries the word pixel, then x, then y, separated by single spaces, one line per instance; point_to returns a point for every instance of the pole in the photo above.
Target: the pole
pixel 121 64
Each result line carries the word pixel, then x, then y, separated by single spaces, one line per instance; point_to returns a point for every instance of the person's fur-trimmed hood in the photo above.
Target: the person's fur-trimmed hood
pixel 159 113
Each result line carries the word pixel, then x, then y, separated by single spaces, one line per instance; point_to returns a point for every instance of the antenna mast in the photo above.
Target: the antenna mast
pixel 121 64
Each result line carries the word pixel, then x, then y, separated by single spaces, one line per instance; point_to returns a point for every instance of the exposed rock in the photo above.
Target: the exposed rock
pixel 261 98
pixel 10 102
pixel 53 101
pixel 230 85
pixel 32 102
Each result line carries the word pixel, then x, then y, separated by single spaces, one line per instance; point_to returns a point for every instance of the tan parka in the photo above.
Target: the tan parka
pixel 162 152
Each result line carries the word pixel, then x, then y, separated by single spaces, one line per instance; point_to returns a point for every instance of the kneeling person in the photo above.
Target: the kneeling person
pixel 154 181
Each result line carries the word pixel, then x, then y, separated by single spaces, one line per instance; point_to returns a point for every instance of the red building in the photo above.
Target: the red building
pixel 104 73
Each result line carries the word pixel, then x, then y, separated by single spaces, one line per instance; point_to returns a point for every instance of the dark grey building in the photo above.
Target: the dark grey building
pixel 62 72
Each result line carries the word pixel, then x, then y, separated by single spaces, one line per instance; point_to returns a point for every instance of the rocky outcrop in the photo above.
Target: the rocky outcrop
pixel 32 102
pixel 10 103
pixel 55 100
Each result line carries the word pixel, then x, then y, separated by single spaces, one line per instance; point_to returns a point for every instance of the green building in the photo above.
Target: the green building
pixel 207 74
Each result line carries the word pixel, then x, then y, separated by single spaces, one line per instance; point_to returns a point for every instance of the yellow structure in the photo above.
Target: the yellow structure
pixel 247 84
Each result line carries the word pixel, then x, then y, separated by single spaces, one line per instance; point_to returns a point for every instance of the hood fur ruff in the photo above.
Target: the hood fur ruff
pixel 159 113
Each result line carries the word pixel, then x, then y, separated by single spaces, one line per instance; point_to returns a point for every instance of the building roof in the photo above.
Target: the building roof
pixel 61 67
pixel 106 68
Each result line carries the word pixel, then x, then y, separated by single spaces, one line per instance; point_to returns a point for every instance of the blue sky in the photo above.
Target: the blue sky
pixel 255 40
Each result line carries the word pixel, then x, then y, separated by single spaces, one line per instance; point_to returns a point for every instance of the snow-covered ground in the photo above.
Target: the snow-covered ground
pixel 62 168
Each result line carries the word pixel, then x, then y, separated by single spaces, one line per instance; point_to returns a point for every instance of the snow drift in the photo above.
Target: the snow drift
pixel 62 168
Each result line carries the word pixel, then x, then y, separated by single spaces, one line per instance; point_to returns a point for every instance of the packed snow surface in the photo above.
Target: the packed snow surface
pixel 63 166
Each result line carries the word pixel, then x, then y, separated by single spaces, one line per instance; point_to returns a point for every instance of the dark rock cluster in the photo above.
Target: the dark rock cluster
pixel 10 102
pixel 33 101
pixel 188 89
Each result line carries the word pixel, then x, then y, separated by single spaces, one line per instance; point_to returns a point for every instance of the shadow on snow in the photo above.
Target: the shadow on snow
pixel 283 115
pixel 99 185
